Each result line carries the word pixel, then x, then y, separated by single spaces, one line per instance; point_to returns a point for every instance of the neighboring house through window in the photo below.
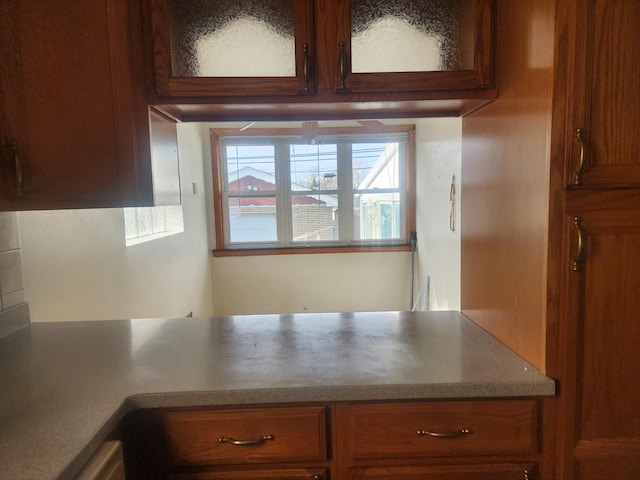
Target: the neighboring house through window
pixel 345 188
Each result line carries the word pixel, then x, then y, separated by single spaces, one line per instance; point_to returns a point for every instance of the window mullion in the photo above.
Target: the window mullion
pixel 402 174
pixel 225 193
pixel 227 220
pixel 345 193
pixel 283 193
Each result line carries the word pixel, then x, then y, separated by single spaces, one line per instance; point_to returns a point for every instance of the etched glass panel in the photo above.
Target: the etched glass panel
pixel 412 35
pixel 228 38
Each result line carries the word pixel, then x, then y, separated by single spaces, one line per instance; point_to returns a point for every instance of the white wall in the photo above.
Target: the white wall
pixel 359 281
pixel 76 265
pixel 438 152
pixel 311 283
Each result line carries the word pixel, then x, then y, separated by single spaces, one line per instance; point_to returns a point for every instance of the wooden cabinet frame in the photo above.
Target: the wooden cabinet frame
pixel 331 89
pixel 145 438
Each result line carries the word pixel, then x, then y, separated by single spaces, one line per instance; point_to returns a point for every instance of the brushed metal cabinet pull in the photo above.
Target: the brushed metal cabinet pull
pixel 342 66
pixel 577 260
pixel 458 433
pixel 580 134
pixel 246 443
pixel 305 66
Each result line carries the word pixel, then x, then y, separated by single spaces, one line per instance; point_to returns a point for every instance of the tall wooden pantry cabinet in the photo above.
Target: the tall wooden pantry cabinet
pixel 599 315
pixel 562 288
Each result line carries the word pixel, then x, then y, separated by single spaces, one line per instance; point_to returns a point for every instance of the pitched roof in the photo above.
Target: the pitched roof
pixel 252 179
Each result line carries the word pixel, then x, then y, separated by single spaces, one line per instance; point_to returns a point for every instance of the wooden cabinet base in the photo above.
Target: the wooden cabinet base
pixel 449 472
pixel 271 474
pixel 389 440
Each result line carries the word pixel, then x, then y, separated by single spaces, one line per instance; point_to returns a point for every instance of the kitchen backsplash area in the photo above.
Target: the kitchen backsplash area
pixel 14 311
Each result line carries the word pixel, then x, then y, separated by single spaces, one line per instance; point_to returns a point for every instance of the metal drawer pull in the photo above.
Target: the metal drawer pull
pixel 246 443
pixel 460 433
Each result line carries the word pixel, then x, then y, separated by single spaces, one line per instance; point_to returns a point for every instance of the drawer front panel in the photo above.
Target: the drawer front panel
pixel 246 436
pixel 467 472
pixel 275 474
pixel 404 430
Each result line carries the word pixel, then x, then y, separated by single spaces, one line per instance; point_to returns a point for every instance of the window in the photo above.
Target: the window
pixel 338 188
pixel 143 224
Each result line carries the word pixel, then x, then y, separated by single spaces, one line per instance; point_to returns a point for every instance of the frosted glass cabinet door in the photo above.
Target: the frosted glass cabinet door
pixel 226 47
pixel 408 45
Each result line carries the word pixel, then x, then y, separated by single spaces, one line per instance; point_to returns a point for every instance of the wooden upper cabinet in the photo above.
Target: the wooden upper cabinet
pixel 413 46
pixel 321 50
pixel 605 94
pixel 228 48
pixel 73 114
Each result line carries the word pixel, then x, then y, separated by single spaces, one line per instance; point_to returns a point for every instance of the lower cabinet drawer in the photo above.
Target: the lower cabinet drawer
pixel 449 472
pixel 245 436
pixel 406 430
pixel 275 474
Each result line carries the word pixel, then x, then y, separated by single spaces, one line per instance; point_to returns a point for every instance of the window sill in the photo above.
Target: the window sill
pixel 148 238
pixel 309 250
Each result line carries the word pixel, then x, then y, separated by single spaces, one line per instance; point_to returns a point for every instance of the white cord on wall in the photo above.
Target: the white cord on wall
pixel 422 302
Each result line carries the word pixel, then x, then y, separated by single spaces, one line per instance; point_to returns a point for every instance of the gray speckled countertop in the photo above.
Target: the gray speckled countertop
pixel 65 386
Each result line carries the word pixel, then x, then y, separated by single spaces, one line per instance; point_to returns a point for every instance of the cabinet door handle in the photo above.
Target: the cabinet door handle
pixel 342 66
pixel 246 443
pixel 18 168
pixel 577 260
pixel 458 433
pixel 583 156
pixel 305 66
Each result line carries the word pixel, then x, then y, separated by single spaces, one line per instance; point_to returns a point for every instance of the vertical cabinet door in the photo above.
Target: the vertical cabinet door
pixel 412 45
pixel 605 128
pixel 230 48
pixel 600 395
pixel 68 111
